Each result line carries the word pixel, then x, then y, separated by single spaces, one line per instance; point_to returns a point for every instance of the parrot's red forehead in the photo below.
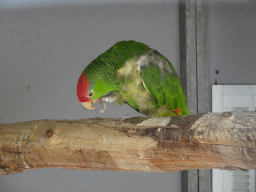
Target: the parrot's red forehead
pixel 82 88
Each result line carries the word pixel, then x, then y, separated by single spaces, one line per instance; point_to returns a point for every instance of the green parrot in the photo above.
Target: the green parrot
pixel 131 72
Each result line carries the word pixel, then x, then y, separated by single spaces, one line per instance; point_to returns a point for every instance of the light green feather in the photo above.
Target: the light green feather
pixel 102 72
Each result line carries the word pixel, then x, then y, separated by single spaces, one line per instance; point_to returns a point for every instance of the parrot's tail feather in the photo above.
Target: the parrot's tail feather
pixel 176 113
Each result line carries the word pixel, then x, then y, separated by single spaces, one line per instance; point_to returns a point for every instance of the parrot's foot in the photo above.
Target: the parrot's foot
pixel 125 117
pixel 109 99
pixel 104 99
pixel 103 105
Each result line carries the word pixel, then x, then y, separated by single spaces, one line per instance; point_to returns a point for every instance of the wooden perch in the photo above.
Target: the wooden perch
pixel 203 141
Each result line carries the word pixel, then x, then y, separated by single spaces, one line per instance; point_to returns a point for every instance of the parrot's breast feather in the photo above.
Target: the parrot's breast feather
pixel 132 88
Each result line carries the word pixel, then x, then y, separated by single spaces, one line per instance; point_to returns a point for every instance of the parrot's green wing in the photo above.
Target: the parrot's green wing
pixel 163 83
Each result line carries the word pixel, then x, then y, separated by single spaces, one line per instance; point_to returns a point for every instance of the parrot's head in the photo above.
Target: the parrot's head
pixel 84 94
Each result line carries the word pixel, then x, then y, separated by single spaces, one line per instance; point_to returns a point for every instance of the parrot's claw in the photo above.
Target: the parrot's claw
pixel 109 99
pixel 103 105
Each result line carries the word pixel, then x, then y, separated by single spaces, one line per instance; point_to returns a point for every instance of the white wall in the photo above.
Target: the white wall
pixel 232 43
pixel 43 51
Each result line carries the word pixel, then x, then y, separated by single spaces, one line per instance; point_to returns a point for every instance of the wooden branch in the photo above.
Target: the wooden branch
pixel 203 141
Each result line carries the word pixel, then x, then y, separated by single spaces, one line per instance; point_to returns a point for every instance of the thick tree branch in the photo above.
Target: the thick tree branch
pixel 203 141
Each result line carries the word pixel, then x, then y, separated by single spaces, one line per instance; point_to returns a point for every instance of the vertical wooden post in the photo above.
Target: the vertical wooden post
pixel 191 56
pixel 205 175
pixel 194 76
pixel 190 182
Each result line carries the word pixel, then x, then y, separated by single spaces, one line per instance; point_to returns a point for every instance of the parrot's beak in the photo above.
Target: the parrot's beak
pixel 90 105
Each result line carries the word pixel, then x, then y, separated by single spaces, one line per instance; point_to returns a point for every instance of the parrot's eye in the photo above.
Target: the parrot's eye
pixel 90 94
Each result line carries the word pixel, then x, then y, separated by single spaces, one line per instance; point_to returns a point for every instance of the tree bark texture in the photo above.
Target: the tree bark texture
pixel 203 141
